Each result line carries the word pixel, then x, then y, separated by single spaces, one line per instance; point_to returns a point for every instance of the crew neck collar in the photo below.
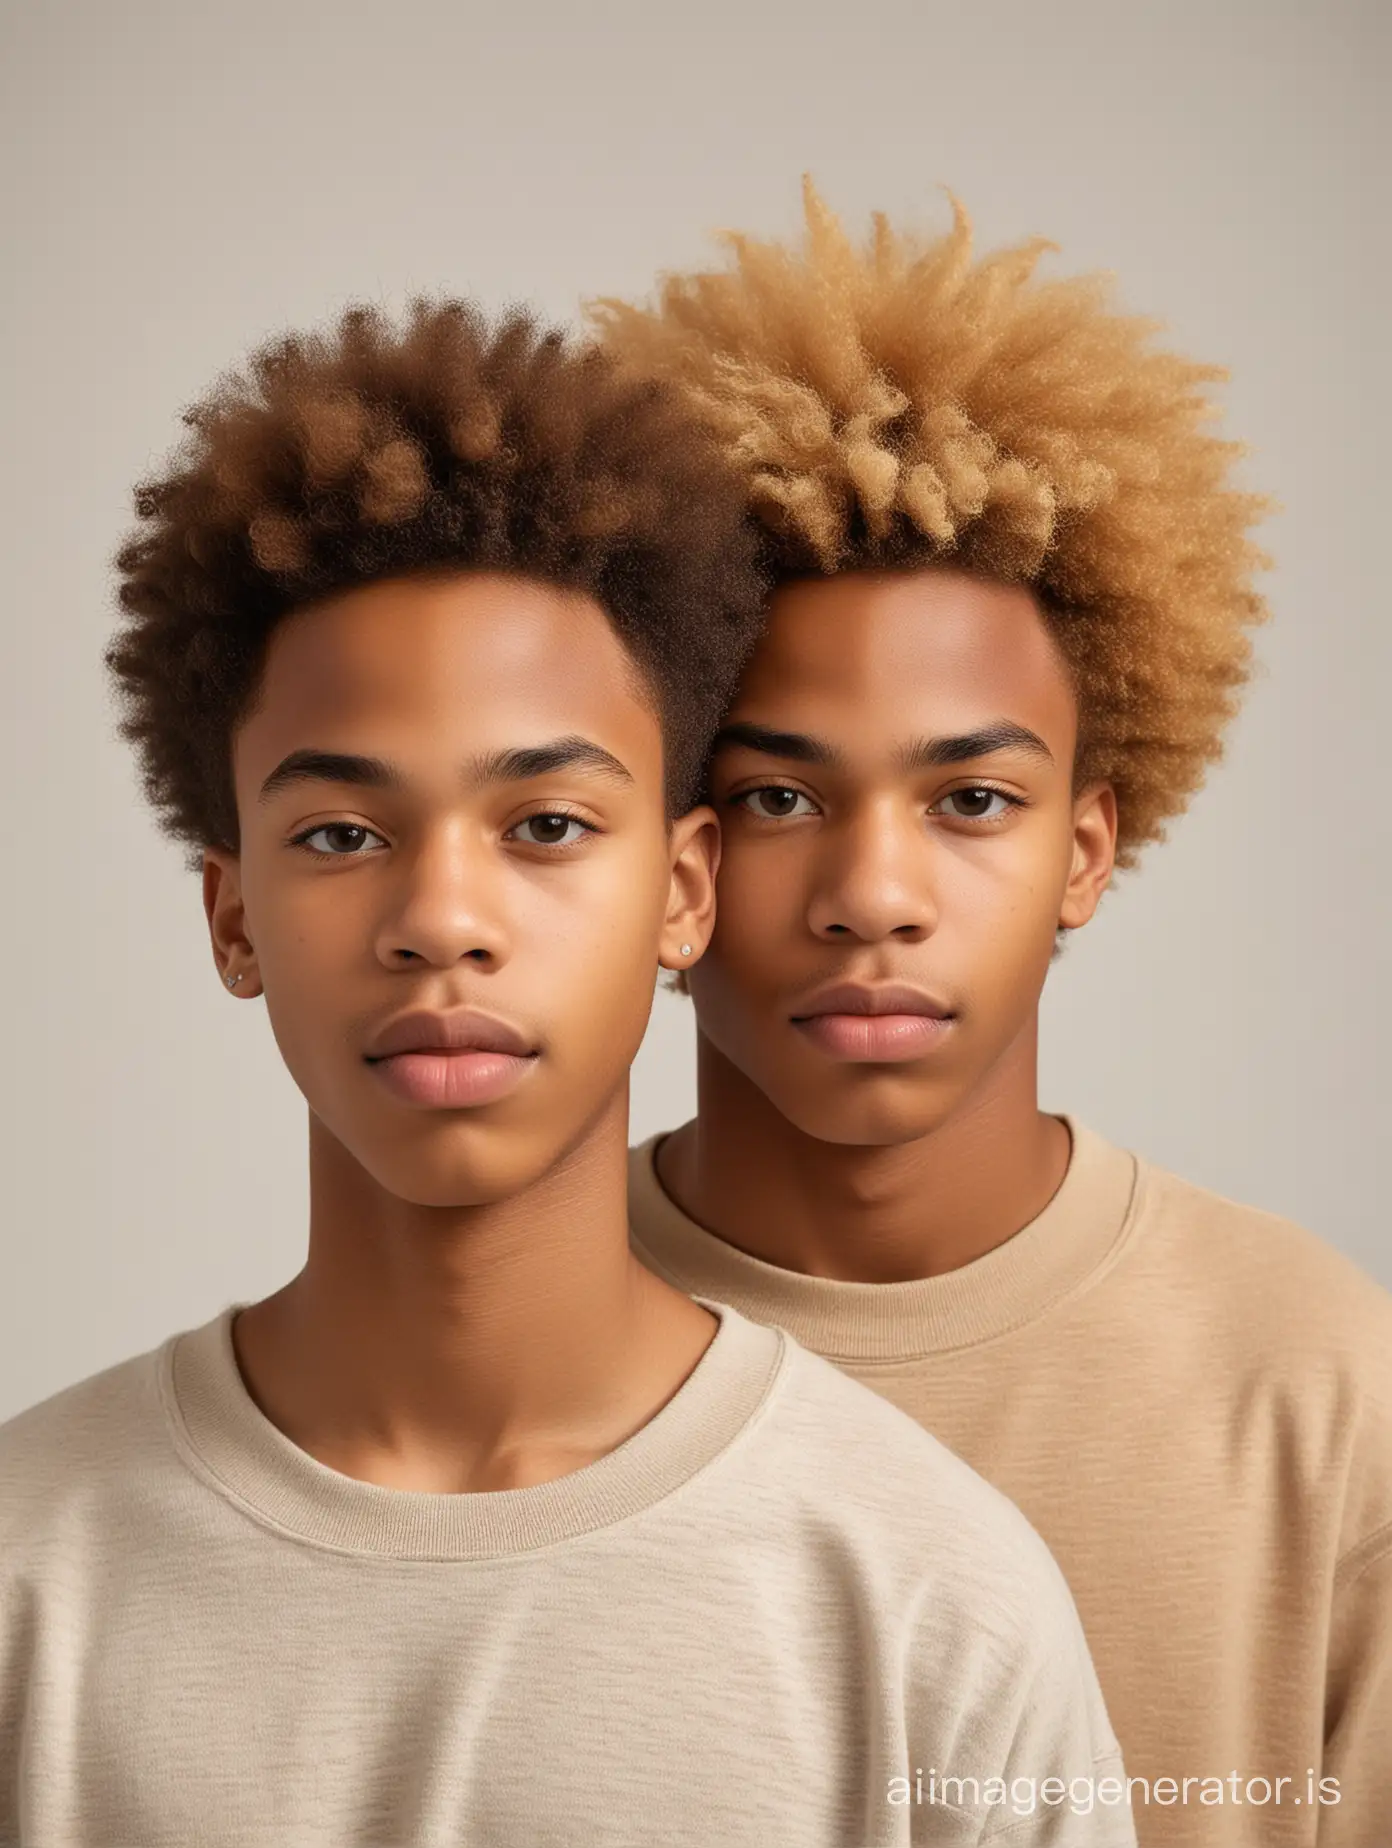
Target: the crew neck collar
pixel 1049 1259
pixel 226 1438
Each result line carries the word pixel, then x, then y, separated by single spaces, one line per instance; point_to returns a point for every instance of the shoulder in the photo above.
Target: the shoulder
pixel 987 1620
pixel 56 1456
pixel 884 1483
pixel 1271 1275
pixel 1280 1320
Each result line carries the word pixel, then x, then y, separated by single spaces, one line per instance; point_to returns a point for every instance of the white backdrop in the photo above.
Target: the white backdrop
pixel 182 179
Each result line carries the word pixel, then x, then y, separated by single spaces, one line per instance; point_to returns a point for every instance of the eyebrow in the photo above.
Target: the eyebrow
pixel 507 766
pixel 797 747
pixel 921 754
pixel 985 741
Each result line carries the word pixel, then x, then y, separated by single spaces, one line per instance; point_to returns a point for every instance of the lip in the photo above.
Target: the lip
pixel 451 1060
pixel 871 999
pixel 863 1023
pixel 462 1029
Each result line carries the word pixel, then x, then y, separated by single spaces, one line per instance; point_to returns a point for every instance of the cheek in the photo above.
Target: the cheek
pixel 1012 880
pixel 309 937
pixel 614 899
pixel 587 934
pixel 997 917
pixel 760 903
pixel 292 907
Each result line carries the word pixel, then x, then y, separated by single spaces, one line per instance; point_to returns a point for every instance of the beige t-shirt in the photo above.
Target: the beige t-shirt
pixel 737 1630
pixel 1192 1403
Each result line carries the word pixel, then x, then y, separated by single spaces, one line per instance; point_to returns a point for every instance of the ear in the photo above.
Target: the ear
pixel 1094 855
pixel 686 929
pixel 222 904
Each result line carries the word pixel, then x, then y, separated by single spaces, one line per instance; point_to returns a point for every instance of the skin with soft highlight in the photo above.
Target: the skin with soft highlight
pixel 460 1257
pixel 428 627
pixel 343 900
pixel 874 833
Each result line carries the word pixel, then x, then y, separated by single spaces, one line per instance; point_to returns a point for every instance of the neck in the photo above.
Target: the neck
pixel 477 1347
pixel 867 1214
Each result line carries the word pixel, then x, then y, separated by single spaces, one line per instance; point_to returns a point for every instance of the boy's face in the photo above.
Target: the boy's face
pixel 894 786
pixel 450 796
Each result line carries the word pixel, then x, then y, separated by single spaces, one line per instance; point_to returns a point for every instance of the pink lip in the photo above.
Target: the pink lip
pixel 460 1029
pixel 874 1038
pixel 449 1060
pixel 873 1024
pixel 450 1080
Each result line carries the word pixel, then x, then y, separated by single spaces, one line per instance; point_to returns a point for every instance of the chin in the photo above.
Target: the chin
pixel 877 1112
pixel 491 1169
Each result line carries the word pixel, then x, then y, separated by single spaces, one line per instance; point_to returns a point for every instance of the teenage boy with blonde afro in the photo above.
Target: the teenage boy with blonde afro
pixel 477 1531
pixel 1014 590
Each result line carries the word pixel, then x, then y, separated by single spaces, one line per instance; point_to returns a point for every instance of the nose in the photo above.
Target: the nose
pixel 446 906
pixel 873 879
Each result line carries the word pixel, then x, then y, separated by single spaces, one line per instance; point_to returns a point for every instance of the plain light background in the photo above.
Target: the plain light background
pixel 182 179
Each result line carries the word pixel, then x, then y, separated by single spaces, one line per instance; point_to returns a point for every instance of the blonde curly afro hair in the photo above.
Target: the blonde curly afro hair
pixel 902 402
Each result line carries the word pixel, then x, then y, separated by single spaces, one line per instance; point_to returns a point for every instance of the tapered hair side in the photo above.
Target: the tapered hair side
pixel 900 402
pixel 378 450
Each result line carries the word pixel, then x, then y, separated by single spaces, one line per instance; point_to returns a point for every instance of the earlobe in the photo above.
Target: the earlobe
pixel 691 898
pixel 1094 855
pixel 233 952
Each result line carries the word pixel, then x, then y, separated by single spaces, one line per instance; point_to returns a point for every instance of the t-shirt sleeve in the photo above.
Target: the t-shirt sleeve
pixel 1358 1704
pixel 1035 1761
pixel 1064 1775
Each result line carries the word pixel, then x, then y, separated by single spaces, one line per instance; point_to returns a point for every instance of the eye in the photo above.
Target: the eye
pixel 974 803
pixel 345 839
pixel 774 802
pixel 550 829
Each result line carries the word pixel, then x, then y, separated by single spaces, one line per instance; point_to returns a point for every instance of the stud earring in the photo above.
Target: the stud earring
pixel 232 980
pixel 686 949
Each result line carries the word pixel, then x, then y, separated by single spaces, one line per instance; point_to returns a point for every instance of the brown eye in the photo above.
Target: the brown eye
pixel 550 830
pixel 975 804
pixel 774 802
pixel 342 839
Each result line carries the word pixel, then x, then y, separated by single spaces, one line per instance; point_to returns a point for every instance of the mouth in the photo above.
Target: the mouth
pixel 451 1061
pixel 452 1080
pixel 865 1025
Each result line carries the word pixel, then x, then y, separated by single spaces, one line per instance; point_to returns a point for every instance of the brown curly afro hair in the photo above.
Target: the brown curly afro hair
pixel 901 403
pixel 377 450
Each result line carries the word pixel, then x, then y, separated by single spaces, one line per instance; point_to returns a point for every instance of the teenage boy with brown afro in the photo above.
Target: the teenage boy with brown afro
pixel 477 1531
pixel 1014 589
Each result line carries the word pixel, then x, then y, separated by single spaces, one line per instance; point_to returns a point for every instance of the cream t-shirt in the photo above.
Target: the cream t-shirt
pixel 779 1616
pixel 1192 1403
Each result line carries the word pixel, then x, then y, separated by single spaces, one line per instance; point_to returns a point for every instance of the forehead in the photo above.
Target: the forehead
pixel 893 655
pixel 466 663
